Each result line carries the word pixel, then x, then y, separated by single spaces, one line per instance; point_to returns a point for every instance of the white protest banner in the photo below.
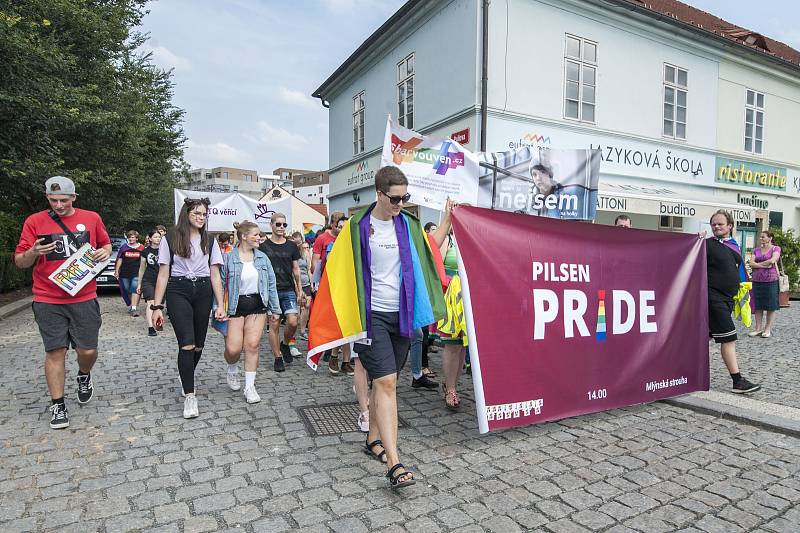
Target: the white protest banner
pixel 78 270
pixel 436 169
pixel 227 208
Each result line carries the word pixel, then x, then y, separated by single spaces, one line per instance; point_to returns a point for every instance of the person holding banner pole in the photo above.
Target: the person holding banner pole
pixel 48 239
pixel 394 307
pixel 724 266
pixel 189 278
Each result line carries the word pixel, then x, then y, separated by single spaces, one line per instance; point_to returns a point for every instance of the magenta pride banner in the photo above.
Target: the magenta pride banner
pixel 566 318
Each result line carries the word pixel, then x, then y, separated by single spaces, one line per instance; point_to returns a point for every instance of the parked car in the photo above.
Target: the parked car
pixel 107 279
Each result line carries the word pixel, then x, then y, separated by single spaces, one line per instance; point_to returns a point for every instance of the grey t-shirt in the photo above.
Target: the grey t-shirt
pixel 194 265
pixel 304 279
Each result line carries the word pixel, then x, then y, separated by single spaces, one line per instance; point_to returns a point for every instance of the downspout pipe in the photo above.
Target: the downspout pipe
pixel 484 71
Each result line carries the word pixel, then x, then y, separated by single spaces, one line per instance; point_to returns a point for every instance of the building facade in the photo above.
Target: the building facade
pixel 688 111
pixel 312 188
pixel 225 179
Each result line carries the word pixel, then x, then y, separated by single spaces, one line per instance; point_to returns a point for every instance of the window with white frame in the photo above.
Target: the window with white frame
pixel 405 92
pixel 676 83
pixel 580 78
pixel 754 122
pixel 358 123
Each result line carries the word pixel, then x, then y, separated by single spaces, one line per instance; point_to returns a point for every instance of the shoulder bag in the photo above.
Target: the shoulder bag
pixel 783 285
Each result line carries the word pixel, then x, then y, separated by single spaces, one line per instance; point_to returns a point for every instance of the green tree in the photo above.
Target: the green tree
pixel 77 98
pixel 790 254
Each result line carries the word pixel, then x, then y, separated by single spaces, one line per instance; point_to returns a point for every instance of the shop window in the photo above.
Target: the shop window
pixel 676 82
pixel 775 219
pixel 358 123
pixel 670 223
pixel 580 78
pixel 754 122
pixel 405 92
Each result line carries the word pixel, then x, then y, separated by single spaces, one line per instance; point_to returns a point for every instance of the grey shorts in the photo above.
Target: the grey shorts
pixel 388 351
pixel 68 325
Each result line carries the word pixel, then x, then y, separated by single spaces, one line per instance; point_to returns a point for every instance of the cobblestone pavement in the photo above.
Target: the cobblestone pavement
pixel 774 363
pixel 129 461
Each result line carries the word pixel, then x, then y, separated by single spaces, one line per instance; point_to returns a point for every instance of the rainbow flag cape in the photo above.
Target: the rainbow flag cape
pixel 342 308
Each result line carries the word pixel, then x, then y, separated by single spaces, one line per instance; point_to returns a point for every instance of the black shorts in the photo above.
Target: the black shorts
pixel 388 351
pixel 249 304
pixel 74 325
pixel 720 321
pixel 148 290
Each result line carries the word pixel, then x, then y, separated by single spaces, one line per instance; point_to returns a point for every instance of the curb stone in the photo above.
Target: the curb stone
pixel 15 307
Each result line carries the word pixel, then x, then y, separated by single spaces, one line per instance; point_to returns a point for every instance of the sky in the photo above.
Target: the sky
pixel 244 70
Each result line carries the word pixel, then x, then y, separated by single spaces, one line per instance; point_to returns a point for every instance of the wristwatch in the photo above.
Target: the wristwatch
pixel 156 307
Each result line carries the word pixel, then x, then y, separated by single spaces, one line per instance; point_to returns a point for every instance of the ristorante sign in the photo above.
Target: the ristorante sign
pixel 750 174
pixel 589 318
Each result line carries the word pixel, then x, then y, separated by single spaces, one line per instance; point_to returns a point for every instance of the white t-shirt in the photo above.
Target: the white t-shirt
pixel 249 281
pixel 385 267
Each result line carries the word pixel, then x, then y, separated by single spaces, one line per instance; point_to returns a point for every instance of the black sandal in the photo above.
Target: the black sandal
pixel 394 479
pixel 368 449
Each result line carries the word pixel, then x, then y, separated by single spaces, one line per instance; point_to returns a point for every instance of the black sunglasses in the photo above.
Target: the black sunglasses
pixel 280 224
pixel 395 200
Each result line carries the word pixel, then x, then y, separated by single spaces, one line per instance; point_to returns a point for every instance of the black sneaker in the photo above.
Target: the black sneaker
pixel 59 418
pixel 151 332
pixel 85 388
pixel 743 387
pixel 286 353
pixel 279 366
pixel 424 382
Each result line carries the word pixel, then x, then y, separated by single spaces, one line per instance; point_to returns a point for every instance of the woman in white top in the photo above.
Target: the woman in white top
pixel 251 293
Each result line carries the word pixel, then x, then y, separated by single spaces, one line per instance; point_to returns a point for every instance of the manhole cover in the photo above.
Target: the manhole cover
pixel 333 419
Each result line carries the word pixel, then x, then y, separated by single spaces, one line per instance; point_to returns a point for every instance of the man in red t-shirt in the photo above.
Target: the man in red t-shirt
pixel 320 249
pixel 63 320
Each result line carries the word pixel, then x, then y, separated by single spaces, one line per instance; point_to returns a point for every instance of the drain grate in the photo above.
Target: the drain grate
pixel 333 419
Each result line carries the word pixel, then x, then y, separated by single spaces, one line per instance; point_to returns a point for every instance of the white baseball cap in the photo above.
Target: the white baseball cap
pixel 59 185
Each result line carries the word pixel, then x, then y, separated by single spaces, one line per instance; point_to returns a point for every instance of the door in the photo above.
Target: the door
pixel 747 239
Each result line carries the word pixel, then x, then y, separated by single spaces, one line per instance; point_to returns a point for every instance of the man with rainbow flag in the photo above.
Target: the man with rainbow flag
pixel 380 283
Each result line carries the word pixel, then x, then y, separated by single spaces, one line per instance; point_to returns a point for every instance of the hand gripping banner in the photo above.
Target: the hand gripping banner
pixel 566 318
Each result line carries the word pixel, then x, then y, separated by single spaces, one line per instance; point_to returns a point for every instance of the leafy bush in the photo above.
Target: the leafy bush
pixel 790 254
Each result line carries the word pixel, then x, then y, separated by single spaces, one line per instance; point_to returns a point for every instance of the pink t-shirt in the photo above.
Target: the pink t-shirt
pixel 765 274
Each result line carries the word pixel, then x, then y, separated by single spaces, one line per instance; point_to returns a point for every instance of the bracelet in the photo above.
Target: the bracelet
pixel 156 307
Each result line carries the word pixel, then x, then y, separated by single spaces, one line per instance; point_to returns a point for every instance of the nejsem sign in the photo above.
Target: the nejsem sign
pixel 566 318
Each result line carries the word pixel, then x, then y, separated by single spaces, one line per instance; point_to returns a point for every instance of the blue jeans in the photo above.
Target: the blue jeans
pixel 416 354
pixel 128 287
pixel 288 300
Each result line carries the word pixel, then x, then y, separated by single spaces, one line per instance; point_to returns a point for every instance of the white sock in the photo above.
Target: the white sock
pixel 249 379
pixel 417 376
pixel 233 368
pixel 133 308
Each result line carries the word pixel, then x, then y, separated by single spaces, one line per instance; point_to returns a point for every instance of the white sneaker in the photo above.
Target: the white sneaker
pixel 190 407
pixel 251 395
pixel 233 381
pixel 294 351
pixel 363 422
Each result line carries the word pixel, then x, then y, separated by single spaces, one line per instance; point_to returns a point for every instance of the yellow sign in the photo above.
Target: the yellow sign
pixel 750 174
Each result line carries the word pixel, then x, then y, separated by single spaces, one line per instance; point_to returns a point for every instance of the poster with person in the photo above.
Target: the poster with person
pixel 436 168
pixel 548 182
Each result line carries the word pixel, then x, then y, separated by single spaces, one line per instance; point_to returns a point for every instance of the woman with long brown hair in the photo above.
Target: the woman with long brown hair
pixel 189 276
pixel 252 293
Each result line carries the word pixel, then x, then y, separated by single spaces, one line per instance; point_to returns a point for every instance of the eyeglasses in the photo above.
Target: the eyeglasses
pixel 395 200
pixel 280 224
pixel 198 214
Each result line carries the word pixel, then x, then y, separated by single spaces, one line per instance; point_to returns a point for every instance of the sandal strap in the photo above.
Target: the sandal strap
pixel 390 474
pixel 376 442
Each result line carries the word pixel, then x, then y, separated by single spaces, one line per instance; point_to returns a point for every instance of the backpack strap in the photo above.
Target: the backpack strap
pixel 69 234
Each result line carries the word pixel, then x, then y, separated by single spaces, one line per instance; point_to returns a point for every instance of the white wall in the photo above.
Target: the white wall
pixel 445 46
pixel 781 112
pixel 526 69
